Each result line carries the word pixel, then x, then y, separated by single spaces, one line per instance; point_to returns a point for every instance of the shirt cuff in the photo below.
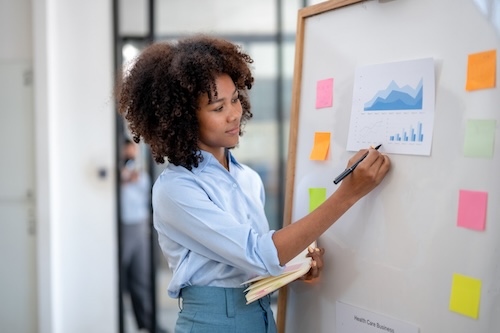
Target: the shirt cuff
pixel 270 254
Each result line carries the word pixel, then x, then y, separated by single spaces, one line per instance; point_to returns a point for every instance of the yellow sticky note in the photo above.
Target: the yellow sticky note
pixel 465 295
pixel 321 146
pixel 481 70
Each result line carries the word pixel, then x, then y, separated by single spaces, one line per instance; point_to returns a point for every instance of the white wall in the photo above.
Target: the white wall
pixel 74 131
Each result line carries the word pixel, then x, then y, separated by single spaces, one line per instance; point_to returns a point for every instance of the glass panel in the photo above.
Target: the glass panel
pixel 288 60
pixel 289 15
pixel 130 50
pixel 289 22
pixel 221 17
pixel 133 18
pixel 259 145
pixel 314 2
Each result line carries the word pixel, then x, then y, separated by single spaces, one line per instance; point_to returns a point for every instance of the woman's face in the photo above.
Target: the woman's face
pixel 219 120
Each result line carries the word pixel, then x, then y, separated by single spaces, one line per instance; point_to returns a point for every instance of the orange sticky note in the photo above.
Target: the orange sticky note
pixel 472 209
pixel 465 295
pixel 481 70
pixel 321 146
pixel 324 93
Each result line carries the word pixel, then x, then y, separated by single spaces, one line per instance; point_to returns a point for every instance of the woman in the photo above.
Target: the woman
pixel 188 100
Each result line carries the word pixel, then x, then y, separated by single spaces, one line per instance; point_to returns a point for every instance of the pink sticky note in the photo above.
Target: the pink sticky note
pixel 324 93
pixel 472 209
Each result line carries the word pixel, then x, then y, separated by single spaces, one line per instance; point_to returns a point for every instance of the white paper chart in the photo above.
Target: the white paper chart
pixel 393 105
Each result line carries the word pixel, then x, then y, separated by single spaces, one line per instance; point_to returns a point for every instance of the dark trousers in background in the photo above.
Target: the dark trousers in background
pixel 136 271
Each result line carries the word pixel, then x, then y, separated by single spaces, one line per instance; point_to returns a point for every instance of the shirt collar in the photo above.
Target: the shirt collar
pixel 208 158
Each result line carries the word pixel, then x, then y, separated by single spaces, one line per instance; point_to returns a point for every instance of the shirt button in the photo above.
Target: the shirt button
pixel 234 185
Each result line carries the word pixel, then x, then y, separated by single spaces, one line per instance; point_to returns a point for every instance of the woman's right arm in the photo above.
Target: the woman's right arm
pixel 294 238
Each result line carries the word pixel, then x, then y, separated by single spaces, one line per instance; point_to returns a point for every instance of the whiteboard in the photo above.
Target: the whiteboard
pixel 396 251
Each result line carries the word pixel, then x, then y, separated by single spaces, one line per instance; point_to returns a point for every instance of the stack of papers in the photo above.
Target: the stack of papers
pixel 263 285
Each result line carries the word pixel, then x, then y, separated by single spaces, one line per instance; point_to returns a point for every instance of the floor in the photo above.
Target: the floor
pixel 167 307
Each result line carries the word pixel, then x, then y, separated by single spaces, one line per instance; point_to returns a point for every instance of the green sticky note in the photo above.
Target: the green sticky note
pixel 316 197
pixel 465 295
pixel 479 138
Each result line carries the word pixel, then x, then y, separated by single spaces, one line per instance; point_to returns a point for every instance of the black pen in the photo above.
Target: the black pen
pixel 347 171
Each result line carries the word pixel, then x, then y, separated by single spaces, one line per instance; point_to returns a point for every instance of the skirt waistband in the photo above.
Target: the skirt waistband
pixel 229 301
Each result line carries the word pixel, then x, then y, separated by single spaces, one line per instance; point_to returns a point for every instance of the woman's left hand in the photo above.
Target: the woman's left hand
pixel 316 264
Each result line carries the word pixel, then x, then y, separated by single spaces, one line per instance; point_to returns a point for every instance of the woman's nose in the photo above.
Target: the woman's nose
pixel 234 112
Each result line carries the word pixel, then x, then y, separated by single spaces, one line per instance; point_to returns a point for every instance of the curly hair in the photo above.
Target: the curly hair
pixel 159 96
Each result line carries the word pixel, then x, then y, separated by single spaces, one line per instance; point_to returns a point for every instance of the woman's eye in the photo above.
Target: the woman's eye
pixel 219 108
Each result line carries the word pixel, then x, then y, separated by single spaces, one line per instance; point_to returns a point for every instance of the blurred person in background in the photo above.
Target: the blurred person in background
pixel 135 207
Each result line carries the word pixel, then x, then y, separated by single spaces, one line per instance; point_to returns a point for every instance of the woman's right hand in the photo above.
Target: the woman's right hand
pixel 367 175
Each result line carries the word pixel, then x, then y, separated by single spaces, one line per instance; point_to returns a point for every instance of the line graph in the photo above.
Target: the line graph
pixel 369 130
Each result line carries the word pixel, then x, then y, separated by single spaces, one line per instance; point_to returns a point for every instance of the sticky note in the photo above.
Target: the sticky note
pixel 316 197
pixel 472 209
pixel 324 93
pixel 481 70
pixel 321 146
pixel 479 138
pixel 465 295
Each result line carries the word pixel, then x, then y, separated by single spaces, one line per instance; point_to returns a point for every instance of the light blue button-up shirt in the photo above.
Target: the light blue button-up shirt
pixel 212 226
pixel 134 198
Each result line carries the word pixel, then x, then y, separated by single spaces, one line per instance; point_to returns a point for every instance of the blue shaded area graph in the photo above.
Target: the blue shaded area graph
pixel 395 97
pixel 413 135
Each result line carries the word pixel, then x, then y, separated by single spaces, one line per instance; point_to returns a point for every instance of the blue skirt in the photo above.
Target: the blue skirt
pixel 223 310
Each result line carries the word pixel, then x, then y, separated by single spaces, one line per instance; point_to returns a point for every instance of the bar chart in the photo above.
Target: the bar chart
pixel 411 135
